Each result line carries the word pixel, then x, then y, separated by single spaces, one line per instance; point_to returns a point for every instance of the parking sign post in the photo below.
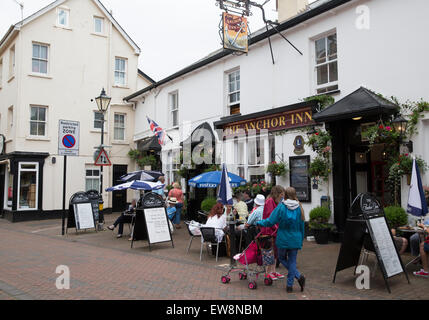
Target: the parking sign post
pixel 68 145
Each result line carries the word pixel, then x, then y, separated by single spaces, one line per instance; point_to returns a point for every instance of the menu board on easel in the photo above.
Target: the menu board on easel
pixel 84 216
pixel 157 225
pixel 383 244
pixel 299 177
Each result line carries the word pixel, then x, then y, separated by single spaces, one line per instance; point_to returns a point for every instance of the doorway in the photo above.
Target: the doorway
pixel 119 202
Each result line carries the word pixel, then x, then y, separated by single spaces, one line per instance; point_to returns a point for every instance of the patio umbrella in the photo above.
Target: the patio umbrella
pixel 213 178
pixel 417 205
pixel 143 175
pixel 225 191
pixel 137 185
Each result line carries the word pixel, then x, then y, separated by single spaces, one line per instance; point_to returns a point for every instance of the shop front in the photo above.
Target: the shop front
pixel 22 191
pixel 252 142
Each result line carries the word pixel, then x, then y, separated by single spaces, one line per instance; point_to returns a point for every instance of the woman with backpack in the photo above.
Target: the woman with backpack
pixel 290 218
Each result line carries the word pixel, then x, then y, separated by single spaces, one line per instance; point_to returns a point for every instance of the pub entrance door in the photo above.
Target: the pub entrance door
pixel 119 202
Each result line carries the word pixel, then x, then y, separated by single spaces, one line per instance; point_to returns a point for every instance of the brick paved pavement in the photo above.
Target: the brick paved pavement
pixel 103 267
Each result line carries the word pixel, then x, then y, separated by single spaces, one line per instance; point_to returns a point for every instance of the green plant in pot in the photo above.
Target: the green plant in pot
pixel 208 203
pixel 396 216
pixel 319 218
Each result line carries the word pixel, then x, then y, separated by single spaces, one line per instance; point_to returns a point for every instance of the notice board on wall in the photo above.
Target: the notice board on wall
pixel 299 177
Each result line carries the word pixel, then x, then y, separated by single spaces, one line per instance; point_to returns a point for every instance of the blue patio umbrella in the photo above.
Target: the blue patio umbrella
pixel 213 178
pixel 225 191
pixel 417 205
pixel 137 185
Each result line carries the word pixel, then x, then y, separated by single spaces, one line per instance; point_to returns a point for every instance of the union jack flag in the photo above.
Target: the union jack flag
pixel 157 130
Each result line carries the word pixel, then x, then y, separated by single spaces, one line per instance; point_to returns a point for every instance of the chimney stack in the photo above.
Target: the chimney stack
pixel 290 8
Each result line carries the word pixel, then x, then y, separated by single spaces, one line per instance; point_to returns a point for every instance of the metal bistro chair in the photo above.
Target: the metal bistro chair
pixel 191 234
pixel 131 214
pixel 208 236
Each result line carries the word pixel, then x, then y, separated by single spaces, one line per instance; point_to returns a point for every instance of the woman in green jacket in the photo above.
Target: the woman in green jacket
pixel 289 215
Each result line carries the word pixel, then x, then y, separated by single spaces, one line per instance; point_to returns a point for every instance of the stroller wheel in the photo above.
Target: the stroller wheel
pixel 224 279
pixel 252 285
pixel 241 276
pixel 268 281
pixel 228 279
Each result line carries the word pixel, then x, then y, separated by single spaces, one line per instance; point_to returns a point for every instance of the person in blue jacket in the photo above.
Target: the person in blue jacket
pixel 290 217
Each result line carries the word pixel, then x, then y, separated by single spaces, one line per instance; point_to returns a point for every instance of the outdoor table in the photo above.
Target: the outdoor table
pixel 421 233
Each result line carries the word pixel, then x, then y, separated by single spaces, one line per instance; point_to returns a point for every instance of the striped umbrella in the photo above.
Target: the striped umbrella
pixel 137 185
pixel 225 190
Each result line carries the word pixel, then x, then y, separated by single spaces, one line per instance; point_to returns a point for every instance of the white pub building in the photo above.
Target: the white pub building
pixel 351 49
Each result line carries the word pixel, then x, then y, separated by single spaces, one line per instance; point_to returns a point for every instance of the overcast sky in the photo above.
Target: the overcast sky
pixel 171 34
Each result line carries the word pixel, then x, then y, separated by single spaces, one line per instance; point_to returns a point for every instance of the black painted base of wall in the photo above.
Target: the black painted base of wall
pixel 37 215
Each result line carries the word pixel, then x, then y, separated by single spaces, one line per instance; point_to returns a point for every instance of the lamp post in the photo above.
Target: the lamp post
pixel 400 124
pixel 103 102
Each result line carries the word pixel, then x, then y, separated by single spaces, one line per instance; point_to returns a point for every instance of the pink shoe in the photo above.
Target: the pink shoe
pixel 278 275
pixel 421 273
pixel 272 276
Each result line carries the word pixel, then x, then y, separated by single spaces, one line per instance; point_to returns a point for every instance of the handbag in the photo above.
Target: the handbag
pixel 267 257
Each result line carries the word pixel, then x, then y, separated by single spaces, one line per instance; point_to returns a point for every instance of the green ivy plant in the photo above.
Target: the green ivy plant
pixel 320 167
pixel 141 159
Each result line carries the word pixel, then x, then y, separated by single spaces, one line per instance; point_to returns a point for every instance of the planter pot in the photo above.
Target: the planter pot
pixel 321 235
pixel 334 236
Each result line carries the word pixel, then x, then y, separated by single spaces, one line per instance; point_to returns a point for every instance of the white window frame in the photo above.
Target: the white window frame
pixel 246 141
pixel 125 72
pixel 12 61
pixel 39 58
pixel 92 177
pixel 6 187
pixel 102 25
pixel 327 62
pixel 93 120
pixel 67 11
pixel 173 108
pixel 123 128
pixel 1 73
pixel 19 185
pixel 228 103
pixel 39 121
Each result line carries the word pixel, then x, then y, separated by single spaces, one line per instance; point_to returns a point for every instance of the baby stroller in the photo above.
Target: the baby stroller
pixel 259 252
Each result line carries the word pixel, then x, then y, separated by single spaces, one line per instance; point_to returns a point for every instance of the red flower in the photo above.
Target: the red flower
pixel 406 154
pixel 317 133
pixel 262 182
pixel 255 185
pixel 381 126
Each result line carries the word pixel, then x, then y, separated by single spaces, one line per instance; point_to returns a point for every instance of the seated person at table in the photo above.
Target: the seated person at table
pixel 216 219
pixel 248 200
pixel 400 243
pixel 171 208
pixel 424 253
pixel 123 218
pixel 415 242
pixel 240 209
pixel 257 211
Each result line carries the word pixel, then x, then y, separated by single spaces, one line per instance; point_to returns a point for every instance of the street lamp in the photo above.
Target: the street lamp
pixel 400 125
pixel 103 102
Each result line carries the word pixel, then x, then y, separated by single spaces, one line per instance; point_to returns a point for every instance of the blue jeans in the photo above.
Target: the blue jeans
pixel 176 219
pixel 288 258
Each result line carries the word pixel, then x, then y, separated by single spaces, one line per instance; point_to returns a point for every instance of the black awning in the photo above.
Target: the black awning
pixel 149 144
pixel 201 133
pixel 362 102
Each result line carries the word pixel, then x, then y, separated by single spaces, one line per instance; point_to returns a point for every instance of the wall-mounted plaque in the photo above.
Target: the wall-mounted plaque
pixel 298 143
pixel 299 177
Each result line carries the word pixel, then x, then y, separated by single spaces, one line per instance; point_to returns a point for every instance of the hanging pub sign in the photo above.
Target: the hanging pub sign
pixel 235 32
pixel 275 122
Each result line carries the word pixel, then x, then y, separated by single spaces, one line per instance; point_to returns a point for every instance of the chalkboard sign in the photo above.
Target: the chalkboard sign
pixel 80 215
pixel 94 197
pixel 299 177
pixel 151 221
pixel 367 215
